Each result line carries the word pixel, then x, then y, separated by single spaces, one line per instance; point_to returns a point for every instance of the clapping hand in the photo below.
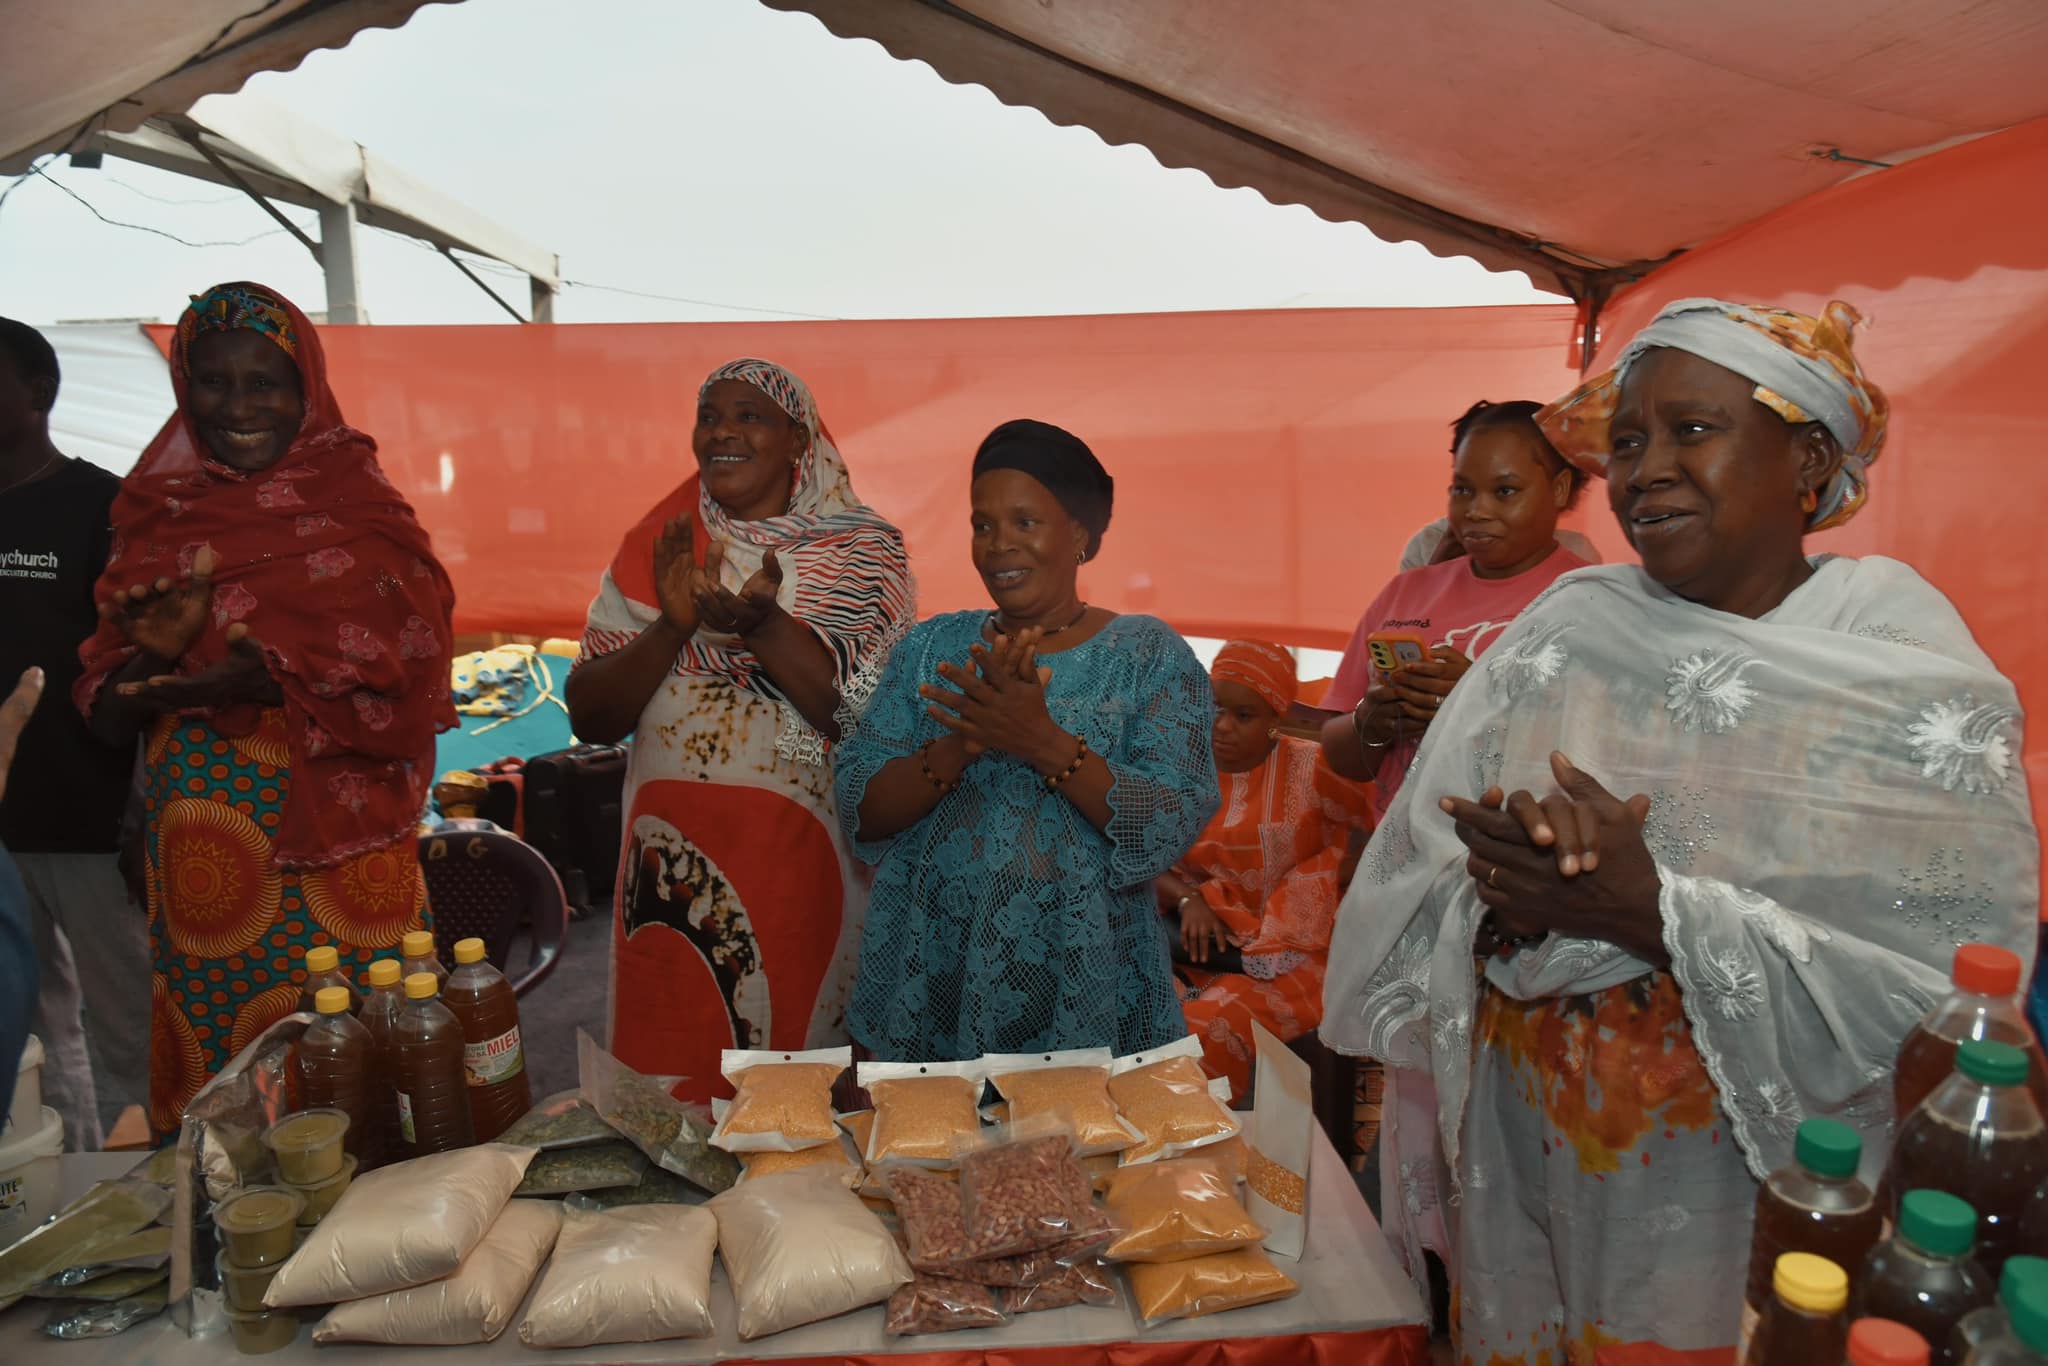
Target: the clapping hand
pixel 675 573
pixel 164 618
pixel 1000 701
pixel 242 676
pixel 742 613
pixel 14 713
pixel 1574 863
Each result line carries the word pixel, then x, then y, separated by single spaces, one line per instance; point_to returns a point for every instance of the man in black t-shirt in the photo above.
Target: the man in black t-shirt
pixel 60 815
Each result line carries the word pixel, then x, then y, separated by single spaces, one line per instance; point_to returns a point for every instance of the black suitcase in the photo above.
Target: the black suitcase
pixel 572 804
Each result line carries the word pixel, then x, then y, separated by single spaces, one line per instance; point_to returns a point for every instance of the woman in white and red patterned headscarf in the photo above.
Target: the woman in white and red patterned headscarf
pixel 736 634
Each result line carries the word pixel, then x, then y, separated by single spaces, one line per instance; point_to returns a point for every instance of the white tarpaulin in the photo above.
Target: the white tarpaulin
pixel 114 395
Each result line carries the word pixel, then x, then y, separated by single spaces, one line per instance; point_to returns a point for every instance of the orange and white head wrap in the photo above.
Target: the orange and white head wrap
pixel 1264 668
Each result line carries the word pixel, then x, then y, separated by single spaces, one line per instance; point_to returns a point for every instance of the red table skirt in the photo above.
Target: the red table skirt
pixel 1376 1347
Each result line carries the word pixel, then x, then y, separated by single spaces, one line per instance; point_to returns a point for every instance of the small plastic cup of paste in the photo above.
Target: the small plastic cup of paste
pixel 243 1286
pixel 271 1330
pixel 258 1223
pixel 308 1145
pixel 320 1198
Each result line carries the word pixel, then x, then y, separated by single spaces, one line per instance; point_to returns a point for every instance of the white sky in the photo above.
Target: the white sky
pixel 721 151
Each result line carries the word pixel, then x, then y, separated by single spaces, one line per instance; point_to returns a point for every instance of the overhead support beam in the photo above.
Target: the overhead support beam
pixel 338 260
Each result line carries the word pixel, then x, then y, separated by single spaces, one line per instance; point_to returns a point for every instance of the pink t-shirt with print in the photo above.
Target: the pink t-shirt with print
pixel 1445 604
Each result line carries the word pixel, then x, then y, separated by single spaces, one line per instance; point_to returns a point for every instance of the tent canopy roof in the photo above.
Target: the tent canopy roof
pixel 1577 140
pixel 82 66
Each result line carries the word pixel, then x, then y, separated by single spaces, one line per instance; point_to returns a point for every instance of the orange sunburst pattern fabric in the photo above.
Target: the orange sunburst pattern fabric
pixel 229 928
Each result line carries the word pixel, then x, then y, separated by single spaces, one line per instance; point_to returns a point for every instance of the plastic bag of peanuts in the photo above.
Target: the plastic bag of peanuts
pixel 1071 1086
pixel 934 1303
pixel 1166 1095
pixel 1088 1281
pixel 784 1099
pixel 934 1233
pixel 923 1110
pixel 1022 1190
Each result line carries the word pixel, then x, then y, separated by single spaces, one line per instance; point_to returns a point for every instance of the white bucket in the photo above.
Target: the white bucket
pixel 26 1111
pixel 28 1177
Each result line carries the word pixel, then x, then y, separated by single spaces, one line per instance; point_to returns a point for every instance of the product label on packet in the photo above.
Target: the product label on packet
pixel 405 1125
pixel 494 1060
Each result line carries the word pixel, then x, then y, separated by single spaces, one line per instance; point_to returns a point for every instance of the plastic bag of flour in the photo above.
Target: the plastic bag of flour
pixel 638 1274
pixel 473 1305
pixel 800 1247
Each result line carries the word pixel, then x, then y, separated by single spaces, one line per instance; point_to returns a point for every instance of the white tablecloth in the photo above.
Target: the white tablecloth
pixel 1349 1283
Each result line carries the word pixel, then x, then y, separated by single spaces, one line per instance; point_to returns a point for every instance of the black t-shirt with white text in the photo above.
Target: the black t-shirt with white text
pixel 66 789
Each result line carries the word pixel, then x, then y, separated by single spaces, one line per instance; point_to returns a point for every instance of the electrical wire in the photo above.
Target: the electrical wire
pixel 144 227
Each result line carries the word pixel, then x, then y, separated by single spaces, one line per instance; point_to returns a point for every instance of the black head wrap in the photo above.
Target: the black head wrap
pixel 1059 460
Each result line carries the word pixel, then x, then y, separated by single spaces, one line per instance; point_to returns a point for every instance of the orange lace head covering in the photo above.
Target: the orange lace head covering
pixel 1266 669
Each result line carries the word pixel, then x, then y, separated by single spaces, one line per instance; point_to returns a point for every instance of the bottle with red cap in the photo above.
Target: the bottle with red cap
pixel 1984 1005
pixel 1882 1342
pixel 1980 1138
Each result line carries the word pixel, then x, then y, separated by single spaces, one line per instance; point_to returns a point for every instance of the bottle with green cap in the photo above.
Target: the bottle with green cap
pixel 322 965
pixel 333 1061
pixel 2025 1343
pixel 1807 1320
pixel 1979 1137
pixel 1814 1205
pixel 1925 1276
pixel 1980 1326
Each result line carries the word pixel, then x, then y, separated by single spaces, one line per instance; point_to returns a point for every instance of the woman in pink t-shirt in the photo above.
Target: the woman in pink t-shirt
pixel 1508 487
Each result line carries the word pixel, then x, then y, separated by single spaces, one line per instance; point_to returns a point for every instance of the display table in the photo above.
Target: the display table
pixel 1356 1308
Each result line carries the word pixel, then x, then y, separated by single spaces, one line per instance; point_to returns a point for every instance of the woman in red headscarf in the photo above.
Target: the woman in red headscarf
pixel 272 615
pixel 1257 894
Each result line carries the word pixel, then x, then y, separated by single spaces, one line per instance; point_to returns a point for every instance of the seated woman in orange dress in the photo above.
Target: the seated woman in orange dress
pixel 1257 894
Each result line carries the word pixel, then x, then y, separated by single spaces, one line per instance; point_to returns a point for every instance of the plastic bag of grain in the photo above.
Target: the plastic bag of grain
pixel 1072 1086
pixel 401 1226
pixel 472 1305
pixel 1166 1095
pixel 1172 1210
pixel 922 1109
pixel 840 1157
pixel 1206 1285
pixel 800 1247
pixel 637 1274
pixel 782 1101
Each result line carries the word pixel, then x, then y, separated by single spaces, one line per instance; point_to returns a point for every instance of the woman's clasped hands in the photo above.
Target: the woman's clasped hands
pixel 997 699
pixel 164 620
pixel 1574 863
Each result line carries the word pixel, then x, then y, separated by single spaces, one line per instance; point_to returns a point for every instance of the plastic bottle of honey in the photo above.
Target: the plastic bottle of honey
pixel 1814 1205
pixel 499 1090
pixel 1984 1005
pixel 433 1098
pixel 336 1069
pixel 1993 1321
pixel 1807 1320
pixel 1925 1277
pixel 418 948
pixel 323 969
pixel 1979 1137
pixel 1880 1342
pixel 381 1009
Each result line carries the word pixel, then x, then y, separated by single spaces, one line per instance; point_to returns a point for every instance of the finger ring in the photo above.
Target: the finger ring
pixel 1490 874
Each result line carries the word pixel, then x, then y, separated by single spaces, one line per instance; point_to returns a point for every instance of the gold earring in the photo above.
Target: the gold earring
pixel 1272 732
pixel 1080 557
pixel 1808 501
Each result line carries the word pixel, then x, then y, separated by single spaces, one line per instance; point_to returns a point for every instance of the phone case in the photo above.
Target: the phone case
pixel 1389 653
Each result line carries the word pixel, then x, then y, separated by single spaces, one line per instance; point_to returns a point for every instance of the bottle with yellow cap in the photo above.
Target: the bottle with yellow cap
pixel 481 998
pixel 432 1096
pixel 333 1058
pixel 418 948
pixel 1807 1320
pixel 323 969
pixel 381 1008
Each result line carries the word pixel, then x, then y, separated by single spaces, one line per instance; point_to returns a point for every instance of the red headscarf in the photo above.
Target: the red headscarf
pixel 334 576
pixel 1266 669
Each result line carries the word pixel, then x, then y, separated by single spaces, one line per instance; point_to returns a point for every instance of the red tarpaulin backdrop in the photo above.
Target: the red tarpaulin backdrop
pixel 1947 258
pixel 1269 465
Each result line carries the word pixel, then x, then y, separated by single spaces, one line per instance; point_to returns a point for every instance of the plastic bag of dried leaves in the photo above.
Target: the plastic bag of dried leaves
pixel 675 1136
pixel 783 1101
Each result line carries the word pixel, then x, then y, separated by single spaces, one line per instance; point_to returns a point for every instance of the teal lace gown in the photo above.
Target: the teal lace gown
pixel 1004 922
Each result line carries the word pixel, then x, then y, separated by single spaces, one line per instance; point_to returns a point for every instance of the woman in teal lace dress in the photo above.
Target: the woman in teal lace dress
pixel 1018 780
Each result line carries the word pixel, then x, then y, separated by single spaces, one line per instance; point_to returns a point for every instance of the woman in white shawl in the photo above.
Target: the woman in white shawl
pixel 1793 787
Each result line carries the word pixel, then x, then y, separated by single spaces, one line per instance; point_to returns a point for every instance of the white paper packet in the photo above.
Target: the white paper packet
pixel 1277 1152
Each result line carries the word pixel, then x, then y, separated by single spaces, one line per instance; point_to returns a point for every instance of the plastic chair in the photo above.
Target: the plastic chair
pixel 489 885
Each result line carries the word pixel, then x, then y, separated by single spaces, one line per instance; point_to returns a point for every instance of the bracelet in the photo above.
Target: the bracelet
pixel 1358 729
pixel 924 762
pixel 1052 784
